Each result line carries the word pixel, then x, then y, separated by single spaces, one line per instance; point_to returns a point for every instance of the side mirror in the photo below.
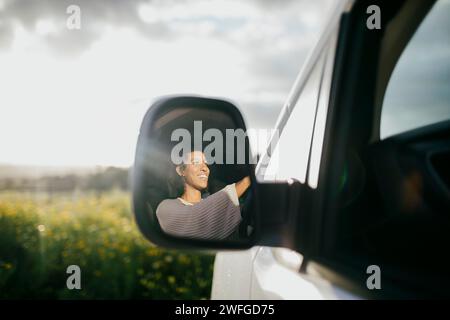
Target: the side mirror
pixel 190 147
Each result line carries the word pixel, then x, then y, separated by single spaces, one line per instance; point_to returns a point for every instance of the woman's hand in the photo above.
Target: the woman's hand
pixel 242 186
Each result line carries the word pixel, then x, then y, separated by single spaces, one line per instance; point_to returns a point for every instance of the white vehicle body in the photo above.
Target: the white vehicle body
pixel 268 272
pixel 340 211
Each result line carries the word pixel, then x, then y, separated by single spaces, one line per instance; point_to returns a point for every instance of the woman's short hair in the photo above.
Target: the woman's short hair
pixel 176 182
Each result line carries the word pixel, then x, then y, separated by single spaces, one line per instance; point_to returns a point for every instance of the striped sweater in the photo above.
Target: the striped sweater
pixel 216 217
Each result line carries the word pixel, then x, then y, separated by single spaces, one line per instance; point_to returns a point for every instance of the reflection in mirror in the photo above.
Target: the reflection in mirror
pixel 195 213
pixel 194 169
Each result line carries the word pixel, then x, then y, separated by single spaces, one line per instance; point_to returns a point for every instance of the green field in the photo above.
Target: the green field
pixel 41 235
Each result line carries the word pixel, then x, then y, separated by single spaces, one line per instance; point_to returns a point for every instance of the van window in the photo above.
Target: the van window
pixel 296 151
pixel 289 157
pixel 418 93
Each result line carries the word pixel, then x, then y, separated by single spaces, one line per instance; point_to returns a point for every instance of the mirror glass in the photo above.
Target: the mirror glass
pixel 193 171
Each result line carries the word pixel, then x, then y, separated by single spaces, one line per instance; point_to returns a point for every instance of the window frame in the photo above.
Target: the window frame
pixel 363 65
pixel 325 49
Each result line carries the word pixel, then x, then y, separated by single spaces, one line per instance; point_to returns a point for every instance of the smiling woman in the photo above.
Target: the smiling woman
pixel 186 196
pixel 215 217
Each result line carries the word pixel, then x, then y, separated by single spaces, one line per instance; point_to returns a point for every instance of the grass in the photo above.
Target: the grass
pixel 41 235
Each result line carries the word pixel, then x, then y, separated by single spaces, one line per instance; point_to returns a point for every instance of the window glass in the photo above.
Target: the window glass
pixel 418 93
pixel 296 146
pixel 289 158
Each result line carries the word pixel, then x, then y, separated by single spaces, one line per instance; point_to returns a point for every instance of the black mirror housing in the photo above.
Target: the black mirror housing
pixel 152 162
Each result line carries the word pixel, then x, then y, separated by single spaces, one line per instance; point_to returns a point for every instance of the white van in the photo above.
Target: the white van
pixel 352 198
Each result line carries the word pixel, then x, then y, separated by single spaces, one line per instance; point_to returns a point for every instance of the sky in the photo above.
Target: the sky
pixel 77 97
pixel 418 92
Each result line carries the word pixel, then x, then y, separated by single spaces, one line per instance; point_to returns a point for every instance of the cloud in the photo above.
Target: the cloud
pixel 96 17
pixel 156 19
pixel 272 38
pixel 249 52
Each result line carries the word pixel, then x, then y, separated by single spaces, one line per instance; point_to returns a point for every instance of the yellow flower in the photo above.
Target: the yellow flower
pixel 171 279
pixel 7 266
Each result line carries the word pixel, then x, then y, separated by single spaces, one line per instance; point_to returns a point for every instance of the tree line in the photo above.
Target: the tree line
pixel 100 181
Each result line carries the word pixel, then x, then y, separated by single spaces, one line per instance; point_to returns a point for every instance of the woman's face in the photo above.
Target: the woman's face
pixel 196 171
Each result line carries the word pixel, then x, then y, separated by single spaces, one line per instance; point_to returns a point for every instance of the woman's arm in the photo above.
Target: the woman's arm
pixel 242 186
pixel 215 217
